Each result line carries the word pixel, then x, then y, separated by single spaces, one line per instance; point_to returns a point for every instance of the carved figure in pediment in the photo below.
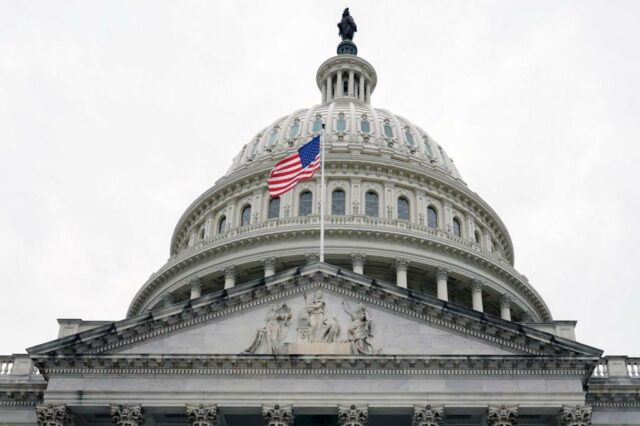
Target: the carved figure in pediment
pixel 270 337
pixel 321 328
pixel 359 334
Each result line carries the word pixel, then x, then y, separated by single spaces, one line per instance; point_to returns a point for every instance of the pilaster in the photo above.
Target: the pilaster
pixel 575 415
pixel 127 415
pixel 53 415
pixel 502 415
pixel 357 260
pixel 428 416
pixel 277 415
pixel 442 276
pixel 202 415
pixel 353 415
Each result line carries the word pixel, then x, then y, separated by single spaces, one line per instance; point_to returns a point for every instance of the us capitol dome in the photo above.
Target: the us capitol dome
pixel 416 316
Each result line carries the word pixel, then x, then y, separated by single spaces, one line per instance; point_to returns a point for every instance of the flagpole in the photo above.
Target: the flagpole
pixel 322 194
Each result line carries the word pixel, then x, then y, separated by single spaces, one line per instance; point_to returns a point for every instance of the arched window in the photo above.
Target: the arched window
pixel 365 126
pixel 273 138
pixel 432 217
pixel 477 236
pixel 457 230
pixel 317 125
pixel 246 215
pixel 371 204
pixel 427 146
pixel 387 129
pixel 201 234
pixel 222 223
pixel 338 202
pixel 345 86
pixel 294 129
pixel 408 137
pixel 274 208
pixel 306 202
pixel 403 208
pixel 341 123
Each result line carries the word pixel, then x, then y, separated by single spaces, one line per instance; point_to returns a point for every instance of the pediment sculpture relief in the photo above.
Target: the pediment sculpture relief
pixel 317 332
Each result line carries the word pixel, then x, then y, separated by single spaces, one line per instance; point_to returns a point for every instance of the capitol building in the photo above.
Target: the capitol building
pixel 416 316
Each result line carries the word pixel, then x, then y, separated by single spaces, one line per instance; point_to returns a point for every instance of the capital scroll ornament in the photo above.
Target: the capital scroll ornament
pixel 441 273
pixel 127 415
pixel 575 415
pixel 230 272
pixel 428 416
pixel 357 259
pixel 277 415
pixel 502 415
pixel 477 284
pixel 353 415
pixel 505 301
pixel 269 262
pixel 195 283
pixel 401 264
pixel 202 415
pixel 53 415
pixel 312 258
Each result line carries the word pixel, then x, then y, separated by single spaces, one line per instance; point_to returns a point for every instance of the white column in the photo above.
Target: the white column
pixel 323 90
pixel 476 294
pixel 368 93
pixel 329 94
pixel 361 90
pixel 357 261
pixel 339 85
pixel 351 84
pixel 505 307
pixel 269 266
pixel 442 275
pixel 196 287
pixel 401 272
pixel 230 275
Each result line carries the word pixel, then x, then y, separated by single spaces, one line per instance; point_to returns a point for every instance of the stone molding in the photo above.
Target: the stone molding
pixel 53 415
pixel 202 415
pixel 357 259
pixel 575 415
pixel 212 306
pixel 502 415
pixel 428 416
pixel 277 415
pixel 441 273
pixel 353 415
pixel 127 415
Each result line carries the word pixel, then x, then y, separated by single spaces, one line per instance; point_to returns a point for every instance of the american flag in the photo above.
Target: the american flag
pixel 301 165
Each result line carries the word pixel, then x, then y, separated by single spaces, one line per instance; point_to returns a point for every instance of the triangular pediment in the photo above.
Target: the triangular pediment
pixel 319 309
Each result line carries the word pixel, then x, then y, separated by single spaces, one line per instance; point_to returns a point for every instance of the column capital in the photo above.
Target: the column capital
pixel 277 415
pixel 502 415
pixel 505 301
pixel 230 272
pixel 167 299
pixel 428 416
pixel 357 259
pixel 477 284
pixel 127 415
pixel 312 258
pixel 195 282
pixel 269 262
pixel 575 415
pixel 441 273
pixel 53 415
pixel 401 264
pixel 353 415
pixel 527 317
pixel 202 415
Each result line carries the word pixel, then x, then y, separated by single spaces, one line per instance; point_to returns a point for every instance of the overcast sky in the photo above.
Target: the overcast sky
pixel 115 115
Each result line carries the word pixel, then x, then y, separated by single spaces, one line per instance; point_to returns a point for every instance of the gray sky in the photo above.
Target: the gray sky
pixel 115 115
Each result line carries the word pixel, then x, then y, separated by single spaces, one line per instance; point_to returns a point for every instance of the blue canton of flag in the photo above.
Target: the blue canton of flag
pixel 301 165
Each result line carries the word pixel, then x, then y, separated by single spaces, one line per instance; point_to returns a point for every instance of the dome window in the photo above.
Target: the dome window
pixel 222 224
pixel 338 202
pixel 432 217
pixel 371 204
pixel 387 129
pixel 408 138
pixel 427 147
pixel 403 208
pixel 457 229
pixel 317 125
pixel 274 208
pixel 246 216
pixel 273 138
pixel 476 235
pixel 306 202
pixel 201 234
pixel 365 125
pixel 294 130
pixel 341 123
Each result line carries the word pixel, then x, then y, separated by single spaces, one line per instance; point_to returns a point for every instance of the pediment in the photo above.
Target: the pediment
pixel 316 310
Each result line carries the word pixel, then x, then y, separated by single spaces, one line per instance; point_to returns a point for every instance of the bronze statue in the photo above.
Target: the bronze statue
pixel 347 27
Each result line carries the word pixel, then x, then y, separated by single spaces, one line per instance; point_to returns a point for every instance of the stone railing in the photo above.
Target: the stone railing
pixel 617 366
pixel 15 366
